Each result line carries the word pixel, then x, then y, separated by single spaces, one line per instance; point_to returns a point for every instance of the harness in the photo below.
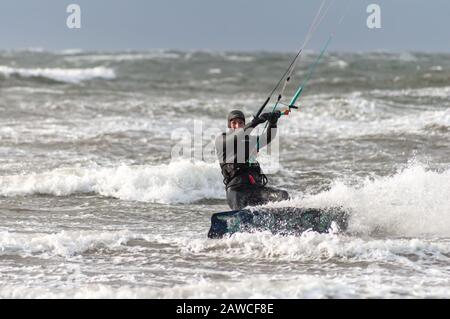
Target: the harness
pixel 241 174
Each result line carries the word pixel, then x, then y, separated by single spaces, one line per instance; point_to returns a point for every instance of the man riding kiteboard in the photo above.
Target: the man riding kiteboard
pixel 245 183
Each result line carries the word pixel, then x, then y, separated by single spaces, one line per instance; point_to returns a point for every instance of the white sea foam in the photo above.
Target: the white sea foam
pixel 70 51
pixel 413 202
pixel 214 71
pixel 437 68
pixel 238 58
pixel 156 55
pixel 59 74
pixel 406 57
pixel 64 243
pixel 368 256
pixel 256 287
pixel 355 115
pixel 371 283
pixel 443 92
pixel 33 90
pixel 314 247
pixel 177 182
pixel 338 64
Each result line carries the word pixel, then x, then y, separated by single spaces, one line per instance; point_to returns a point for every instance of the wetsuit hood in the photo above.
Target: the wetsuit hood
pixel 235 114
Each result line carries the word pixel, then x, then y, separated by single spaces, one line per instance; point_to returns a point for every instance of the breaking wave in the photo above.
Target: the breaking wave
pixel 413 202
pixel 60 74
pixel 177 182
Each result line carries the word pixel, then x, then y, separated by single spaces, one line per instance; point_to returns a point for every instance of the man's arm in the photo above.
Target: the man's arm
pixel 254 123
pixel 271 132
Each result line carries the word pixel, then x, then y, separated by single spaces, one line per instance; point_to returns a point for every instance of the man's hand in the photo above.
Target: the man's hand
pixel 272 117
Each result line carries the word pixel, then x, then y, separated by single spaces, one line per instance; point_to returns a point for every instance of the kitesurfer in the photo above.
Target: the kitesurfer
pixel 245 183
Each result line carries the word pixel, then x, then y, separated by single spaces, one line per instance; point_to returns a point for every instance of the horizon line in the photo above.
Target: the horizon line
pixel 37 49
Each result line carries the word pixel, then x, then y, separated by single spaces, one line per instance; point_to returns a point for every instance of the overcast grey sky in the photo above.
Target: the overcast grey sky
pixel 270 25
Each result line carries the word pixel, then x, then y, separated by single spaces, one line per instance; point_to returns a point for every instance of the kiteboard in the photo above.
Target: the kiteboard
pixel 283 221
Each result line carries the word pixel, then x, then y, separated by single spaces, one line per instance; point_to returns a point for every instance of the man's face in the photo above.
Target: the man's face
pixel 237 123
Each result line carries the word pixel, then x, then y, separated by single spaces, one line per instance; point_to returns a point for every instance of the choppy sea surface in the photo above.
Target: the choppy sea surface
pixel 93 203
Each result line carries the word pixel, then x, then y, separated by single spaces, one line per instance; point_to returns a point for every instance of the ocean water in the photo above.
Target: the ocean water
pixel 93 203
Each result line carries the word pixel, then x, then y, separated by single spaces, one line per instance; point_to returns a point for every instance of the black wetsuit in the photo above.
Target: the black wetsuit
pixel 244 180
